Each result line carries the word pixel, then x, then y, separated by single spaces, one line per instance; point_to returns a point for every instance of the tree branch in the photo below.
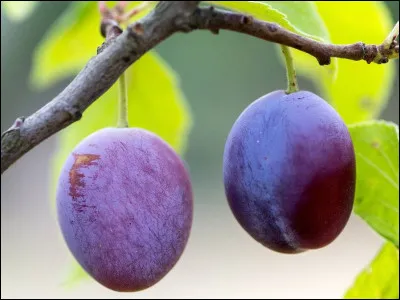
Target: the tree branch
pixel 123 49
pixel 215 20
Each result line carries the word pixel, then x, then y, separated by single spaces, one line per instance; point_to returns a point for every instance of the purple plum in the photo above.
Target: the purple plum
pixel 289 171
pixel 125 207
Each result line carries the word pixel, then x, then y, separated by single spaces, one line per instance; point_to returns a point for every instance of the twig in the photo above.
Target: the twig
pixel 290 71
pixel 215 20
pixel 168 17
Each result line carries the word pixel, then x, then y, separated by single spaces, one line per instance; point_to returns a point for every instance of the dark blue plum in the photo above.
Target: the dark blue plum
pixel 125 207
pixel 289 171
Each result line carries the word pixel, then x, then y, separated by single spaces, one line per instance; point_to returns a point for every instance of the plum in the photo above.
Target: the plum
pixel 289 171
pixel 125 207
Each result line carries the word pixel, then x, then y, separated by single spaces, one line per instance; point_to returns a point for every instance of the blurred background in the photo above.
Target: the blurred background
pixel 221 260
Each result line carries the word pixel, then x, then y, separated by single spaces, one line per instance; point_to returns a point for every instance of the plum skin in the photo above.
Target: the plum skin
pixel 289 171
pixel 125 207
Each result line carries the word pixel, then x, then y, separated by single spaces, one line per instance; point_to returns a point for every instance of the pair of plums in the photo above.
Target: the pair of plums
pixel 125 202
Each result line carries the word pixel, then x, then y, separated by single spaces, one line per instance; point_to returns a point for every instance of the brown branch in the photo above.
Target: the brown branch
pixel 215 20
pixel 122 49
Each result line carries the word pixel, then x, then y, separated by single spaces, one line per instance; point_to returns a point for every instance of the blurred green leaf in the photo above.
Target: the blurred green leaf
pixel 304 15
pixel 380 280
pixel 361 90
pixel 266 12
pixel 68 44
pixel 376 146
pixel 18 11
pixel 76 274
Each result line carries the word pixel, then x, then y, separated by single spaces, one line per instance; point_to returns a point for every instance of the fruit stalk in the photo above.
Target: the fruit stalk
pixel 122 103
pixel 290 71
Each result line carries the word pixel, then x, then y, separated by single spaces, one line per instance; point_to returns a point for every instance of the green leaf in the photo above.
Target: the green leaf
pixel 376 145
pixel 265 12
pixel 361 90
pixel 380 280
pixel 18 11
pixel 76 274
pixel 304 15
pixel 68 45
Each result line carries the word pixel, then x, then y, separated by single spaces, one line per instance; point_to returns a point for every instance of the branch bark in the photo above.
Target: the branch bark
pixel 119 52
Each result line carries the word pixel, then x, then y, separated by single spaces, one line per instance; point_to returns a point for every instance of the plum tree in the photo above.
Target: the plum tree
pixel 289 171
pixel 125 207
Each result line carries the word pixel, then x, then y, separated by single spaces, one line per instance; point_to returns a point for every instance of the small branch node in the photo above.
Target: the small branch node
pixel 246 20
pixel 138 29
pixel 324 60
pixel 272 27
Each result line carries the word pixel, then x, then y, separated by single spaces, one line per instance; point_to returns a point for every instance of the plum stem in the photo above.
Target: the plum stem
pixel 290 71
pixel 122 103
